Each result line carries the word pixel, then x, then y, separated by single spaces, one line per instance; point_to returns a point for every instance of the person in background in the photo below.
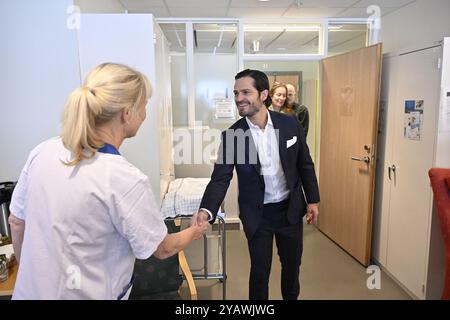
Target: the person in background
pixel 275 192
pixel 278 97
pixel 81 213
pixel 296 109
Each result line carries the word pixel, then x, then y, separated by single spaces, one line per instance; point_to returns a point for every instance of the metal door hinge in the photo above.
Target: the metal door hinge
pixel 439 63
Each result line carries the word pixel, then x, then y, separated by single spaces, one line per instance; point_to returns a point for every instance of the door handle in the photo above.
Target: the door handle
pixel 363 159
pixel 391 168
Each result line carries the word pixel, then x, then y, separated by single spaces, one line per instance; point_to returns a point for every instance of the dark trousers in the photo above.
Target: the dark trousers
pixel 289 240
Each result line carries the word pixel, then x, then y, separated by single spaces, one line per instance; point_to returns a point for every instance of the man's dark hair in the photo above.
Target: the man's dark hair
pixel 260 80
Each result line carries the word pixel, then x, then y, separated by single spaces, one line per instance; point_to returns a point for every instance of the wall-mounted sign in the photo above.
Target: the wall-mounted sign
pixel 413 119
pixel 225 109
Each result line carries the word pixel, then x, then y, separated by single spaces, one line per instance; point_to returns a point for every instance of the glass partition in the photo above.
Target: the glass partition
pixel 215 65
pixel 346 37
pixel 176 35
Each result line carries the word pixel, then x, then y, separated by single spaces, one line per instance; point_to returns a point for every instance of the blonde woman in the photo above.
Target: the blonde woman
pixel 278 97
pixel 81 213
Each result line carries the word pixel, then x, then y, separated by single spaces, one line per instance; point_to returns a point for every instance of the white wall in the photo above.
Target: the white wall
pixel 179 90
pixel 39 66
pixel 127 39
pixel 417 25
pixel 164 104
pixel 214 78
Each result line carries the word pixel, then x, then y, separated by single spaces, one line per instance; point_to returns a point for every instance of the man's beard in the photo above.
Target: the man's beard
pixel 251 110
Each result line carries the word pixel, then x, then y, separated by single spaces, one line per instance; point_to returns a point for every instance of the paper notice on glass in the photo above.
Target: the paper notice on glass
pixel 225 109
pixel 413 119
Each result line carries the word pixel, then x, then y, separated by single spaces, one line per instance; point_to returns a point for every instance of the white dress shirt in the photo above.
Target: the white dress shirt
pixel 266 143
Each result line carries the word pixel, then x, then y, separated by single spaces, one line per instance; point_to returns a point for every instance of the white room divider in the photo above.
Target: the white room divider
pixel 133 40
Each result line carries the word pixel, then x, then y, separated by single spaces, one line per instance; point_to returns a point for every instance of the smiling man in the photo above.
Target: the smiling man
pixel 271 189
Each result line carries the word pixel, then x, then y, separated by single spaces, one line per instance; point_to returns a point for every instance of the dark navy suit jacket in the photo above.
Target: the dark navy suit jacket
pixel 237 153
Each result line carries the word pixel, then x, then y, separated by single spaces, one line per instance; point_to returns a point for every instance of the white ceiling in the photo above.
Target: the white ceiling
pixel 213 40
pixel 243 8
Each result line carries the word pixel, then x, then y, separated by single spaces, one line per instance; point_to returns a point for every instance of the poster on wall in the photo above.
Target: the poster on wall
pixel 225 109
pixel 413 119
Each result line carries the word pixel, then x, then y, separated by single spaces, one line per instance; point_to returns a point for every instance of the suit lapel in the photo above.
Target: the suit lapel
pixel 251 149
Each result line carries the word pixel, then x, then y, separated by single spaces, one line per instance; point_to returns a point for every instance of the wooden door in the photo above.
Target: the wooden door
pixel 349 120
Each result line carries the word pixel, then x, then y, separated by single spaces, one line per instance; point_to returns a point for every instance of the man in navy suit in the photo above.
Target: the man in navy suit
pixel 275 174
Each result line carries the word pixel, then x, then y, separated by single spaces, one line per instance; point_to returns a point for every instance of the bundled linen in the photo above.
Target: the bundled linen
pixel 183 197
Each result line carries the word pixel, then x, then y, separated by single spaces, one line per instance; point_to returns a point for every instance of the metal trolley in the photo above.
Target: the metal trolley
pixel 219 231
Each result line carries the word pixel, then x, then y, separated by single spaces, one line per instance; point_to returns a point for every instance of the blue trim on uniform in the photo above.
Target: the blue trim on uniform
pixel 109 148
pixel 126 288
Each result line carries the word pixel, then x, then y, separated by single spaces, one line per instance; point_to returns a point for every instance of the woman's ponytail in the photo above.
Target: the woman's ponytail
pixel 78 124
pixel 108 89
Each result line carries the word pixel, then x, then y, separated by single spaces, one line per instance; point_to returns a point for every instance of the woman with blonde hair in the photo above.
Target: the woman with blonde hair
pixel 278 97
pixel 81 213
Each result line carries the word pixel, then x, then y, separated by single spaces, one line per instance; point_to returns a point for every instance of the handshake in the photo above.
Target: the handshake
pixel 199 223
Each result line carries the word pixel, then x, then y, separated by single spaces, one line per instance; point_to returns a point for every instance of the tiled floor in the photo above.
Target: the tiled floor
pixel 327 272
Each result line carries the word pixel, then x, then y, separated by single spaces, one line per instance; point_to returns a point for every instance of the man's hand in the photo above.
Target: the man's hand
pixel 199 218
pixel 312 212
pixel 202 217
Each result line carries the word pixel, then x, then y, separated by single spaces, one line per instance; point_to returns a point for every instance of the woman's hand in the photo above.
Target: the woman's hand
pixel 199 228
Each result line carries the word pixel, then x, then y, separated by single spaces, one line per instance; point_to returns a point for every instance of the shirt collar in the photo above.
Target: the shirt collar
pixel 253 126
pixel 108 148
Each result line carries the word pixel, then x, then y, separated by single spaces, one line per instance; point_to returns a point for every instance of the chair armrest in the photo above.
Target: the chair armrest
pixel 187 274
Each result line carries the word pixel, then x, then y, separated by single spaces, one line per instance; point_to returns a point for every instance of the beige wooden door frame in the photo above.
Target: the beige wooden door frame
pixel 349 125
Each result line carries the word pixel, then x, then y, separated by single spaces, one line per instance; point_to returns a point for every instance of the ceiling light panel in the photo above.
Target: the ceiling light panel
pixel 258 4
pixel 196 3
pixel 326 3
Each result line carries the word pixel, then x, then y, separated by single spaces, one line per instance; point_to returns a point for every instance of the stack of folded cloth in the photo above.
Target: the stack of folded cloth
pixel 183 197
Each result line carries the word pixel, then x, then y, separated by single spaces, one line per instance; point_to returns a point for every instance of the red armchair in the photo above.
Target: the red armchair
pixel 440 183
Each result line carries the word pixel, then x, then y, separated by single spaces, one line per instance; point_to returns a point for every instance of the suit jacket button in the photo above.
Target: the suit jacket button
pixel 260 206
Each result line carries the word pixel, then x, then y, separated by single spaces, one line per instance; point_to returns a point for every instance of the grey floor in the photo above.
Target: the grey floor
pixel 327 272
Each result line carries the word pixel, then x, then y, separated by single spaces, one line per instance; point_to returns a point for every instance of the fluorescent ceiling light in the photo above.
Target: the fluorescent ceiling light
pixel 279 28
pixel 216 30
pixel 255 45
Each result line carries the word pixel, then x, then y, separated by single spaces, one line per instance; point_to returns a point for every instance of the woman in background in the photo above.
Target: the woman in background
pixel 81 213
pixel 278 97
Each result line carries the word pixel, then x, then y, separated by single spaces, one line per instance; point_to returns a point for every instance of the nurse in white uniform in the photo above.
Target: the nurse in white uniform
pixel 81 213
